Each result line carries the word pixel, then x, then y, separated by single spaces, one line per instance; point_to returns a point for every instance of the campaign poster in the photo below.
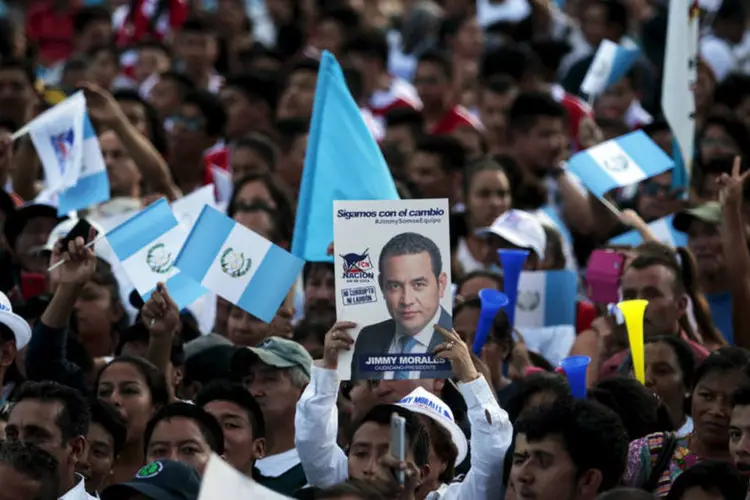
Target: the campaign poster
pixel 393 279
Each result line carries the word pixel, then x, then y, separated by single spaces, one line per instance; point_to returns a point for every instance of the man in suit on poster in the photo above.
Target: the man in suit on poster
pixel 413 283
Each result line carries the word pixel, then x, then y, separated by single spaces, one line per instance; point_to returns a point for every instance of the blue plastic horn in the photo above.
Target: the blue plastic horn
pixel 575 369
pixel 512 262
pixel 492 302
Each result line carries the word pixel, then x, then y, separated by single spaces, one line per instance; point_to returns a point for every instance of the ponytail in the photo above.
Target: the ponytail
pixel 708 332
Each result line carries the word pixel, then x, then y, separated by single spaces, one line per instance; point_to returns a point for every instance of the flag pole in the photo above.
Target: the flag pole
pixel 87 245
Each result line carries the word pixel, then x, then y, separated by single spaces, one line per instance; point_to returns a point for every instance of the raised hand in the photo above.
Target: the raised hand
pixel 457 352
pixel 337 339
pixel 160 314
pixel 731 186
pixel 79 263
pixel 386 482
pixel 102 107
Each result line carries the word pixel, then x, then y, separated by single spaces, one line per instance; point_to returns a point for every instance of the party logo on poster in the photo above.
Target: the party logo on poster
pixel 358 267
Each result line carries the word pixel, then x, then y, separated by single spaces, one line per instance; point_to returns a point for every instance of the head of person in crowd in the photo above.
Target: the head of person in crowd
pixel 124 177
pixel 604 20
pixel 658 275
pixel 293 133
pixel 496 96
pixel 516 229
pixel 705 183
pixel 371 438
pixel 15 333
pixel 137 390
pixel 351 489
pixel 368 52
pixel 104 65
pixel 641 411
pixel 435 167
pixel 617 99
pixel 538 134
pixel 670 366
pixel 270 191
pixel 154 58
pixel 413 281
pixel 462 36
pixel 538 389
pixel 318 283
pixel 296 100
pixel 739 428
pixel 701 224
pixel 143 116
pixel 168 92
pixel 486 193
pixel 207 358
pixel 241 420
pixel 250 101
pixel 245 329
pixel 723 135
pixel 276 373
pixel 253 154
pixel 196 47
pixel 733 95
pixel 570 449
pixel 93 28
pixel 196 127
pixel 75 69
pixel 185 433
pixel 554 255
pixel 334 27
pixel 28 472
pixel 159 480
pixel 433 80
pixel 715 380
pixel 18 98
pixel 27 230
pixel 709 480
pixel 133 342
pixel 105 439
pixel 403 128
pixel 469 286
pixel 55 418
pixel 310 333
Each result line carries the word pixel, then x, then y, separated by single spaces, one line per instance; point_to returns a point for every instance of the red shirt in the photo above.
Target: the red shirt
pixel 52 31
pixel 575 109
pixel 400 94
pixel 585 315
pixel 455 118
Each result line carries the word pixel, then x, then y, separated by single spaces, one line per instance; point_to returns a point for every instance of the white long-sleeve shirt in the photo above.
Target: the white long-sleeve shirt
pixel 325 464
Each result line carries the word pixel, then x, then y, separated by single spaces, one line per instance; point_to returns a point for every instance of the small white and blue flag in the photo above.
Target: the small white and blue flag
pixel 546 298
pixel 611 62
pixel 619 162
pixel 238 264
pixel 661 228
pixel 147 245
pixel 92 185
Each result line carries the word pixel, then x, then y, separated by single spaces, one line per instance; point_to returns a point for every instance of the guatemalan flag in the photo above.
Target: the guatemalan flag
pixel 661 228
pixel 611 62
pixel 619 162
pixel 146 246
pixel 546 298
pixel 238 264
pixel 67 145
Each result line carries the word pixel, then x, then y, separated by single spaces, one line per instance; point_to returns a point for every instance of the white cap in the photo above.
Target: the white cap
pixel 520 229
pixel 62 229
pixel 427 404
pixel 16 323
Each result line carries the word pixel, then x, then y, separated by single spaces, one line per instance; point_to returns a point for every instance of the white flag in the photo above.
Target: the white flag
pixel 221 480
pixel 680 73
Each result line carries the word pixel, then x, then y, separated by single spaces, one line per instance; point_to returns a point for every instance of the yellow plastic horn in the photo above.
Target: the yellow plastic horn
pixel 633 311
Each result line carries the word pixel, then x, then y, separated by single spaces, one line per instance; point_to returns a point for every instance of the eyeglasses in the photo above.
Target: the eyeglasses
pixel 190 123
pixel 651 188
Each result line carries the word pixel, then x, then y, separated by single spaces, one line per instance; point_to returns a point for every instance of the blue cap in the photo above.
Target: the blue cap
pixel 159 480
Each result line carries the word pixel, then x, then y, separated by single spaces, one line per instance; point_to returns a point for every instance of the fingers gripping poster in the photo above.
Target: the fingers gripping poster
pixel 393 279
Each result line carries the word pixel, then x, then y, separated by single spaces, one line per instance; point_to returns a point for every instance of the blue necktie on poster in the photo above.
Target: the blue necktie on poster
pixel 343 162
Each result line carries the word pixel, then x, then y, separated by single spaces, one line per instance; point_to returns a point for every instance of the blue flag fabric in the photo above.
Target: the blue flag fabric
pixel 343 162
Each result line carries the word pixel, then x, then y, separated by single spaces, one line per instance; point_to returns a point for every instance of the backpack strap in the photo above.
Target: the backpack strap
pixel 662 461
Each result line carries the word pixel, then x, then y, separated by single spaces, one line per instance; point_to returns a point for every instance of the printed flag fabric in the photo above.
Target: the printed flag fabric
pixel 546 298
pixel 238 264
pixel 662 229
pixel 611 62
pixel 619 162
pixel 146 246
pixel 343 162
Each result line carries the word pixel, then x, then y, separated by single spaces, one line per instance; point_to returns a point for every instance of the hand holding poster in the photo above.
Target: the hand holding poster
pixel 392 268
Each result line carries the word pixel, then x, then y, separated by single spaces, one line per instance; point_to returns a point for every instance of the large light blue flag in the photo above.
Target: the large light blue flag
pixel 92 186
pixel 611 62
pixel 146 245
pixel 238 264
pixel 546 298
pixel 343 162
pixel 619 162
pixel 661 228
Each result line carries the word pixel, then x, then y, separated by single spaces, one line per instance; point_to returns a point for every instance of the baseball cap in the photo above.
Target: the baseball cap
pixel 274 351
pixel 709 212
pixel 520 229
pixel 16 323
pixel 423 402
pixel 204 342
pixel 18 219
pixel 159 480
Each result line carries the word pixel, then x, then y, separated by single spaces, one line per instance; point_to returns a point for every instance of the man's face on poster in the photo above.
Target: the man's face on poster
pixel 412 291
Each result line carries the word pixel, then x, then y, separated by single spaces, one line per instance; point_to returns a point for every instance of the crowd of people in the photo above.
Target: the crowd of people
pixel 107 395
